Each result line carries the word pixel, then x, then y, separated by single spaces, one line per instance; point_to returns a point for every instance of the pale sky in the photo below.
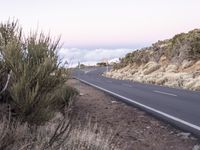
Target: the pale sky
pixel 109 24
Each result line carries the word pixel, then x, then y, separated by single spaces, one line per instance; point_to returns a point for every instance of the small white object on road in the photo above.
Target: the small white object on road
pixel 114 102
pixel 184 135
pixel 196 147
pixel 81 94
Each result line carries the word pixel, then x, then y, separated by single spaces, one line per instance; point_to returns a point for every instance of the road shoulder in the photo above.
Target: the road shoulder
pixel 135 129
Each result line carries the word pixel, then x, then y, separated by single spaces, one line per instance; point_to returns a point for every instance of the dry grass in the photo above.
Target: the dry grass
pixel 90 137
pixel 59 133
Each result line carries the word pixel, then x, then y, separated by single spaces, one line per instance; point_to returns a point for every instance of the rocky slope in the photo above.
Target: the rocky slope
pixel 174 62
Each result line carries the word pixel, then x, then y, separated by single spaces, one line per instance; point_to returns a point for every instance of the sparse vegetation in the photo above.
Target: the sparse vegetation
pixel 173 62
pixel 176 50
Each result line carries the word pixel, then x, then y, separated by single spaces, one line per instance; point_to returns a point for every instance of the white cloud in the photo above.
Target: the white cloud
pixel 74 55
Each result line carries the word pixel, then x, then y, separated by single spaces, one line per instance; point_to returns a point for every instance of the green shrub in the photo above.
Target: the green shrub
pixel 35 72
pixel 195 47
pixel 64 95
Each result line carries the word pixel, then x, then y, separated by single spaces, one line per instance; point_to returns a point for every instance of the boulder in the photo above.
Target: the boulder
pixel 172 68
pixel 150 67
pixel 161 81
pixel 187 64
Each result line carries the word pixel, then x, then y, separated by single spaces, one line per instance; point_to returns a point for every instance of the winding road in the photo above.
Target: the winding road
pixel 176 106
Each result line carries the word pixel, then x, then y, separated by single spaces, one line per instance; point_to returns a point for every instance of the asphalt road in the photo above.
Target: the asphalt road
pixel 176 106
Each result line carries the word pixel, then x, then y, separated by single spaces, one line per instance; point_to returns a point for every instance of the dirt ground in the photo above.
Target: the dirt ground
pixel 134 129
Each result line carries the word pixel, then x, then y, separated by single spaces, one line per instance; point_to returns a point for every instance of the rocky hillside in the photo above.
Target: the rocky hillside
pixel 173 62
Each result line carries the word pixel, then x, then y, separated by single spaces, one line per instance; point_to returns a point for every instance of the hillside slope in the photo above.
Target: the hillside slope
pixel 174 62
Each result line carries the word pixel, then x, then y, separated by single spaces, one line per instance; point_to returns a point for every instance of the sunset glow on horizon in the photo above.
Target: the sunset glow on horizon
pixel 105 24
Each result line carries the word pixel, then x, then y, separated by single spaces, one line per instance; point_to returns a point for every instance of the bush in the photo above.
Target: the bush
pixel 66 95
pixel 195 48
pixel 101 64
pixel 36 76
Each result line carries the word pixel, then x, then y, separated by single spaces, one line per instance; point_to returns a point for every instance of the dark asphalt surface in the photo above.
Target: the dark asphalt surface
pixel 176 106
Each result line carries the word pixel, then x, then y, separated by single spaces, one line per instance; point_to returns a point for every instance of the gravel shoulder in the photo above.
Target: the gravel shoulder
pixel 133 128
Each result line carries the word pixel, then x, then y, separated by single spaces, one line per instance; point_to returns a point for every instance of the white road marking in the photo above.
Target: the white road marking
pixel 146 107
pixel 90 70
pixel 127 85
pixel 164 93
pixel 109 81
pixel 86 71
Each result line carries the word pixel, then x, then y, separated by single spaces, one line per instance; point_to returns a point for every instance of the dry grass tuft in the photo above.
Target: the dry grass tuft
pixel 59 133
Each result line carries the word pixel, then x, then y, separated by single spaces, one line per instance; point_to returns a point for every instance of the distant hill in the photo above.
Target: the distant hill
pixel 173 62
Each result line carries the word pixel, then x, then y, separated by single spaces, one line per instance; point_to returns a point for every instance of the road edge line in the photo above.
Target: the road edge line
pixel 145 106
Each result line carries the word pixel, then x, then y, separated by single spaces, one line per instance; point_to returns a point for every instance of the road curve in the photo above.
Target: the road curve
pixel 176 106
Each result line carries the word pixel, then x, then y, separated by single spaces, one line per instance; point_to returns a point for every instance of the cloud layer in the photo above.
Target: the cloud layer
pixel 90 57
